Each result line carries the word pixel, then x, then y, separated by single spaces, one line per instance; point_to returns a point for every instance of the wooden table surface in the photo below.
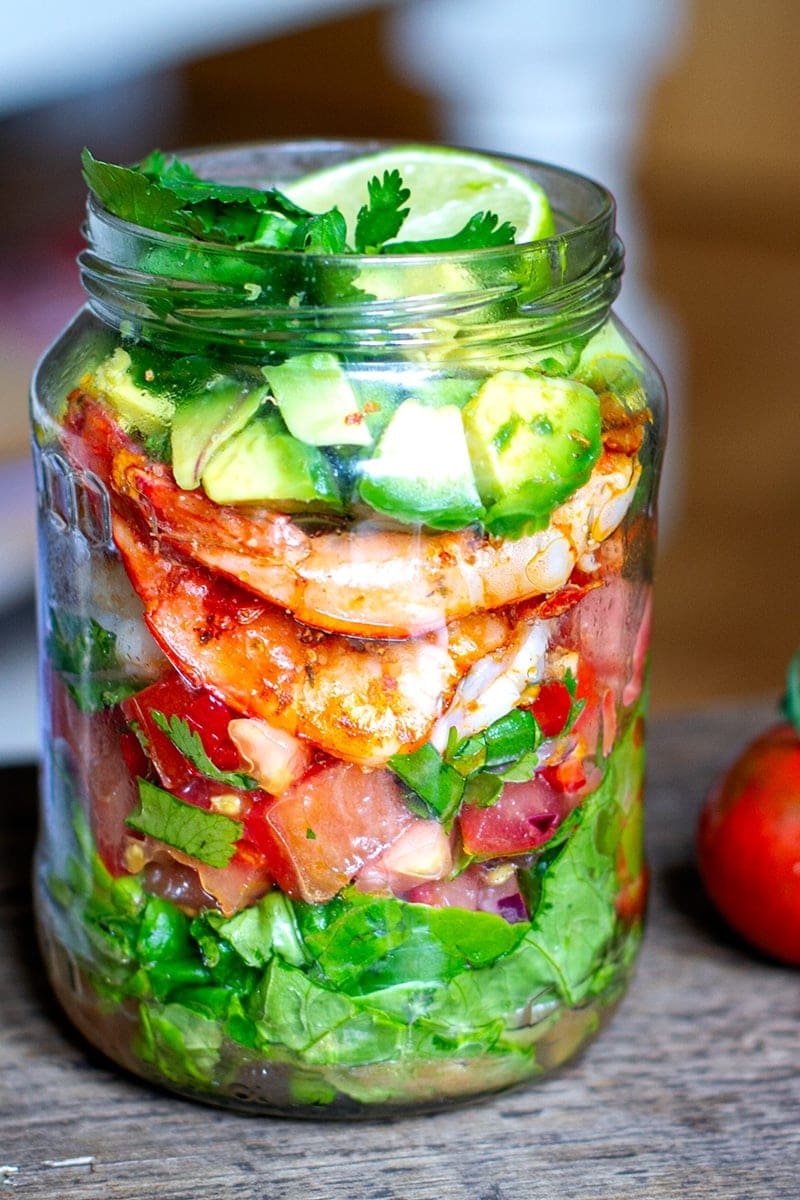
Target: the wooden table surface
pixel 692 1092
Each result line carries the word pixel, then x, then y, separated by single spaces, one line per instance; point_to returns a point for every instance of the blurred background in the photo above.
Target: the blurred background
pixel 687 109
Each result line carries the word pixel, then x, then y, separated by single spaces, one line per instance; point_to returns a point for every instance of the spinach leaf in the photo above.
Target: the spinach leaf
pixel 182 1045
pixel 260 932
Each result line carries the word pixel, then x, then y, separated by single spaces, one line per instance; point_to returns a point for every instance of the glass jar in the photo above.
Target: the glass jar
pixel 344 610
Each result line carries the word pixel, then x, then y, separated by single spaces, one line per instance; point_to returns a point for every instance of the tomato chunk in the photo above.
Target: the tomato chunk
pixel 524 817
pixel 323 829
pixel 203 713
pixel 552 707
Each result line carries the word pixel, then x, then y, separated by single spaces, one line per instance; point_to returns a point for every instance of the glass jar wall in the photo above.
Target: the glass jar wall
pixel 344 609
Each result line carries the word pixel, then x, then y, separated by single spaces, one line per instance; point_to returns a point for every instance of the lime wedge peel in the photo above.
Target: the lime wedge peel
pixel 448 186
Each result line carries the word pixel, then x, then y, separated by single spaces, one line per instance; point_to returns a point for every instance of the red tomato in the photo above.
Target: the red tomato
pixel 610 629
pixel 749 844
pixel 99 759
pixel 552 707
pixel 323 829
pixel 202 712
pixel 477 889
pixel 524 817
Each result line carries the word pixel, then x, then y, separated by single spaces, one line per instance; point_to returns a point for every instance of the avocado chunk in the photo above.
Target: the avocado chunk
pixel 203 422
pixel 317 401
pixel 421 471
pixel 264 464
pixel 532 441
pixel 147 412
pixel 608 364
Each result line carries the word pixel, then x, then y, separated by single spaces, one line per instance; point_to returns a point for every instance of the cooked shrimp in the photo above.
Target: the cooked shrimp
pixel 360 701
pixel 495 683
pixel 364 581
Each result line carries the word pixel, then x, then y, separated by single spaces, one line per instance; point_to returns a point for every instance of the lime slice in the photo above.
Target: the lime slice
pixel 447 188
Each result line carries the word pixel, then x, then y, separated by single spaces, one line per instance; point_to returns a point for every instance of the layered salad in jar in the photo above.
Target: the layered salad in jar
pixel 347 694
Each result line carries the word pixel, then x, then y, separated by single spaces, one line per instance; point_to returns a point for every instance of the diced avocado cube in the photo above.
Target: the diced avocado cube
pixel 421 471
pixel 608 342
pixel 436 391
pixel 608 363
pixel 532 441
pixel 204 421
pixel 264 464
pixel 317 401
pixel 145 411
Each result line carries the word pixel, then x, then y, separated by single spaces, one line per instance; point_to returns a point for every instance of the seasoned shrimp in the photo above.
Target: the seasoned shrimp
pixel 360 701
pixel 364 581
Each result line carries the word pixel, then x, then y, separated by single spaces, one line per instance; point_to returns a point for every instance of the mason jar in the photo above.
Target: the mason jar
pixel 345 589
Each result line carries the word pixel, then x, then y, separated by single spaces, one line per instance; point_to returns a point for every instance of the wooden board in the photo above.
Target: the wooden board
pixel 693 1091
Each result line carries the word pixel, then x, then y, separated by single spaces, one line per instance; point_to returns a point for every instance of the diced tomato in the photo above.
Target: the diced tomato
pixel 566 776
pixel 631 900
pixel 323 829
pixel 133 755
pixel 422 852
pixel 243 881
pixel 478 889
pixel 96 755
pixel 203 713
pixel 609 628
pixel 190 883
pixel 551 708
pixel 525 817
pixel 461 892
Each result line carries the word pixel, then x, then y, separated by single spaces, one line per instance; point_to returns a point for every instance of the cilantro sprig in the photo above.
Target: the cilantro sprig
pixel 190 744
pixel 380 220
pixel 479 233
pixel 164 194
pixel 209 837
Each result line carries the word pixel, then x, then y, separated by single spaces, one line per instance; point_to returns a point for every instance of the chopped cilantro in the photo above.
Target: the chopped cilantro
pixel 190 744
pixel 481 232
pixel 164 194
pixel 207 836
pixel 85 656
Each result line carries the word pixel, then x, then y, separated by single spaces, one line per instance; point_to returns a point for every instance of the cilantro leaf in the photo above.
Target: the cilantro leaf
pixel 481 232
pixel 190 744
pixel 207 836
pixel 324 233
pixel 166 195
pixel 472 769
pixel 380 220
pixel 132 195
